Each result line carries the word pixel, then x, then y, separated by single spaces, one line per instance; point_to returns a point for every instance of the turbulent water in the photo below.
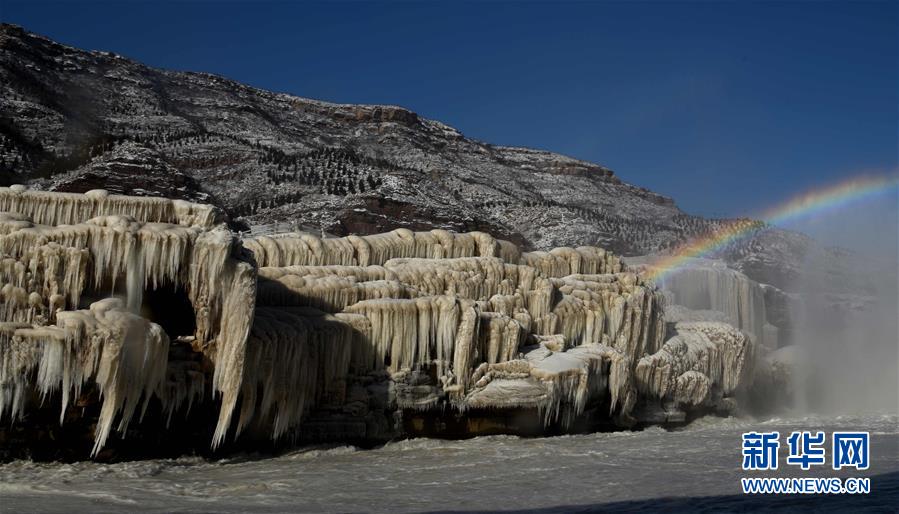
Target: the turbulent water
pixel 697 467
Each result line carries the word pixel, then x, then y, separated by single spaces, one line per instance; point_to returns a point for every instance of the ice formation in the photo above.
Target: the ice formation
pixel 705 284
pixel 50 270
pixel 72 208
pixel 111 292
pixel 703 362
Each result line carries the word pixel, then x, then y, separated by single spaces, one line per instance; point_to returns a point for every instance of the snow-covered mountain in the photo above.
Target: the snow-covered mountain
pixel 74 120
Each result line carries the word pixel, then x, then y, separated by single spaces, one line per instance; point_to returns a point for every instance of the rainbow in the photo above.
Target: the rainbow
pixel 813 202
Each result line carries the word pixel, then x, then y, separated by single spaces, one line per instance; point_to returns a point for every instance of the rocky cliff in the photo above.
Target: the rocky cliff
pixel 73 120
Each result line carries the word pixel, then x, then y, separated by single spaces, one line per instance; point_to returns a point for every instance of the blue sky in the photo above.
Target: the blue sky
pixel 727 107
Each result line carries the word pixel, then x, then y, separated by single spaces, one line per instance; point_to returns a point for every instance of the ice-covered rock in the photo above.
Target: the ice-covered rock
pixel 702 363
pixel 48 271
pixel 275 328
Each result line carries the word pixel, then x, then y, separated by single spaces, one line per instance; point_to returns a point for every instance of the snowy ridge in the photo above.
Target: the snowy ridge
pixel 72 120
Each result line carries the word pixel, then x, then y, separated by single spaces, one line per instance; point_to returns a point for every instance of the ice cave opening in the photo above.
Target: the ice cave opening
pixel 168 305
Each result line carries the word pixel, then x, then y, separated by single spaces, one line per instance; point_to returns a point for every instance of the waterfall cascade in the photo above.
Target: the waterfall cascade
pixel 709 285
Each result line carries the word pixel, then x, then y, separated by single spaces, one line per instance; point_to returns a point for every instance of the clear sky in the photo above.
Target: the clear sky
pixel 727 107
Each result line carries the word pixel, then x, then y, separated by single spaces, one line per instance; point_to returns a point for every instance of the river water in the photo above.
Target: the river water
pixel 695 468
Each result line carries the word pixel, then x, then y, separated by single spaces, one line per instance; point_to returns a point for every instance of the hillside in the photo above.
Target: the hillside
pixel 75 120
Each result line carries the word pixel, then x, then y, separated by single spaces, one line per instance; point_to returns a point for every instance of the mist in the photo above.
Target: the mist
pixel 847 324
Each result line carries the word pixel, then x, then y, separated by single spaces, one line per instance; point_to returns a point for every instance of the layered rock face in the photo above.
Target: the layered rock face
pixel 153 305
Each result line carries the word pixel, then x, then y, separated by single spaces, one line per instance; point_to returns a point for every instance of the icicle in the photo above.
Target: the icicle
pixel 308 249
pixel 296 358
pixel 72 208
pixel 124 354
